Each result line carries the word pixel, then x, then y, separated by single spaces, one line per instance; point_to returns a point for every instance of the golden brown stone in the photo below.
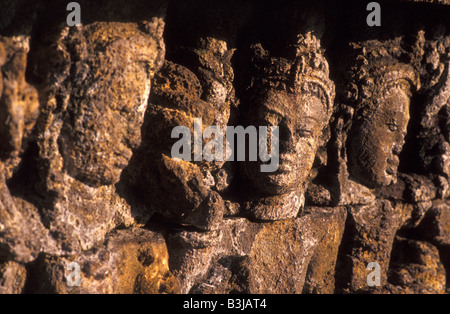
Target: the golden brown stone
pixel 87 174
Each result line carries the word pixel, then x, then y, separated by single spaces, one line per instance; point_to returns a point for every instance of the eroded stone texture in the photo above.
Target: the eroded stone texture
pixel 380 94
pixel 416 267
pixel 19 106
pixel 368 238
pixel 98 81
pixel 178 97
pixel 130 261
pixel 88 175
pixel 435 226
pixel 13 276
pixel 23 235
pixel 413 195
pixel 250 257
pixel 320 278
pixel 19 109
pixel 292 91
pixel 433 135
pixel 101 117
pixel 300 111
pixel 22 232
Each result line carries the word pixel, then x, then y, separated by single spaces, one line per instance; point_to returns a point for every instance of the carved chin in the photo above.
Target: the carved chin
pixel 374 177
pixel 384 179
pixel 276 183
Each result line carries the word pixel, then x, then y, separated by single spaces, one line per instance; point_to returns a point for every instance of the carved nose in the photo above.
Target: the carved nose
pixel 398 146
pixel 393 161
pixel 286 135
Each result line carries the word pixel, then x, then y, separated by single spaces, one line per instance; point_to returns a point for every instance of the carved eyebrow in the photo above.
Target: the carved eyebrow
pixel 403 83
pixel 312 118
pixel 274 111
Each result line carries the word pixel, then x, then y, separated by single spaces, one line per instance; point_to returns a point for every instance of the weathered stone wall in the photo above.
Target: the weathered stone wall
pixel 87 174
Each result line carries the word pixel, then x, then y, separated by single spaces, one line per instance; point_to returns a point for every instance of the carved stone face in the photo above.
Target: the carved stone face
pixel 300 118
pixel 377 141
pixel 175 102
pixel 106 113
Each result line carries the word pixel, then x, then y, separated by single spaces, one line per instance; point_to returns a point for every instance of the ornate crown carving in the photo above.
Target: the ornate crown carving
pixel 303 69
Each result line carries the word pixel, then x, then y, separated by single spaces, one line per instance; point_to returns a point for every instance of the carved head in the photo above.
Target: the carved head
pixel 105 88
pixel 179 97
pixel 380 118
pixel 296 95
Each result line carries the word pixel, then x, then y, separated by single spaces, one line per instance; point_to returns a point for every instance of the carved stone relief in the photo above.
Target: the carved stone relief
pixel 88 172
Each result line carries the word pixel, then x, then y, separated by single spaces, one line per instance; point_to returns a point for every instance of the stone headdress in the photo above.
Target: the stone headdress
pixel 302 69
pixel 375 67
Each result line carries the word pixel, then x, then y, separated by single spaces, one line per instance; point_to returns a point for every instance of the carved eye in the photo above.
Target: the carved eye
pixel 393 127
pixel 307 127
pixel 304 132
